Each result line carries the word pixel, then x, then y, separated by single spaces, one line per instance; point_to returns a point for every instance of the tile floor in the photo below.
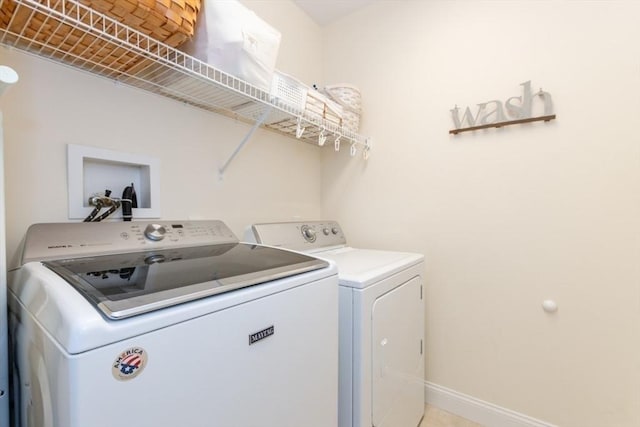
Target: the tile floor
pixel 436 417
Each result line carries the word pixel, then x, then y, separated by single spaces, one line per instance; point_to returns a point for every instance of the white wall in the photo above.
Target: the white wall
pixel 273 178
pixel 506 217
pixel 300 53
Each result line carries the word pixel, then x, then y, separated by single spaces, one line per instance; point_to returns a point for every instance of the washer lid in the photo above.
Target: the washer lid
pixel 359 268
pixel 124 285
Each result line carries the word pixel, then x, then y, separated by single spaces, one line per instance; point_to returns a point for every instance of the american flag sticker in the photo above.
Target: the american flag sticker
pixel 129 364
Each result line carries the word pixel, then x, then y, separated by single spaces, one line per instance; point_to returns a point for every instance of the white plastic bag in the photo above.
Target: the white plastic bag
pixel 235 40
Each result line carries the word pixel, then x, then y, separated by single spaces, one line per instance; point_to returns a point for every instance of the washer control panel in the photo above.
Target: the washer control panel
pixel 298 235
pixel 66 240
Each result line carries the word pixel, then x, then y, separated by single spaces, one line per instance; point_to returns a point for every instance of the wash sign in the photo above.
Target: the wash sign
pixel 496 113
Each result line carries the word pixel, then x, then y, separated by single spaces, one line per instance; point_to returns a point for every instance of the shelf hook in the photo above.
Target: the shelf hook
pixel 299 128
pixel 353 149
pixel 336 143
pixel 322 138
pixel 367 149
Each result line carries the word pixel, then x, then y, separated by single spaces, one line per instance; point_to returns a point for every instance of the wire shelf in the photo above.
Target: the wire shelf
pixel 73 34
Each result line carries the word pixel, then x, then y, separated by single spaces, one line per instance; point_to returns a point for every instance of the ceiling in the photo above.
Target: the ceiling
pixel 326 11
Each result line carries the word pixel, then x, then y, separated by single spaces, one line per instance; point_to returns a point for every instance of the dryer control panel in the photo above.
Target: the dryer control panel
pixel 300 236
pixel 65 240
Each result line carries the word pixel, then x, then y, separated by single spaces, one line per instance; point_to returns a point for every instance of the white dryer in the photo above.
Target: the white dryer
pixel 170 324
pixel 381 323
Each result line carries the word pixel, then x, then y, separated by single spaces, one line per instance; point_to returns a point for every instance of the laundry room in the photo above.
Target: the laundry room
pixel 494 138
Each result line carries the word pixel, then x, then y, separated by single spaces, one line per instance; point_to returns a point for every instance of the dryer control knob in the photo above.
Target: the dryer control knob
pixel 325 231
pixel 308 233
pixel 335 230
pixel 155 232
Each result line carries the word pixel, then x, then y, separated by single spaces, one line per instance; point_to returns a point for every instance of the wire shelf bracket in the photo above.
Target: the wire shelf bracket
pixel 246 139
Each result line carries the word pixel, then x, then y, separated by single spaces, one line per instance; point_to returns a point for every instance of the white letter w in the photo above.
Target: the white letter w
pixel 467 116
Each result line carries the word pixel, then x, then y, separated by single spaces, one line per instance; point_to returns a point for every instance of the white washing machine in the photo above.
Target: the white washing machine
pixel 170 324
pixel 381 323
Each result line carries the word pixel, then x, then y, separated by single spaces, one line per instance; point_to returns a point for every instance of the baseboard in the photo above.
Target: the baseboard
pixel 479 411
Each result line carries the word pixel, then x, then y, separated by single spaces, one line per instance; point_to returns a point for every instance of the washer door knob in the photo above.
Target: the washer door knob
pixel 154 259
pixel 155 232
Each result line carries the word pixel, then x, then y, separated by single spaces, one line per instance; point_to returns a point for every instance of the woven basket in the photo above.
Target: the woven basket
pixel 320 106
pixel 169 21
pixel 349 98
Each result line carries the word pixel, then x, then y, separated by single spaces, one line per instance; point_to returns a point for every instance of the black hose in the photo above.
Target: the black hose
pixel 94 212
pixel 129 201
pixel 111 210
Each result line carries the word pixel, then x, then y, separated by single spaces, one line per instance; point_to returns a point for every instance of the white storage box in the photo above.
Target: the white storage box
pixel 289 91
pixel 235 40
pixel 300 97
